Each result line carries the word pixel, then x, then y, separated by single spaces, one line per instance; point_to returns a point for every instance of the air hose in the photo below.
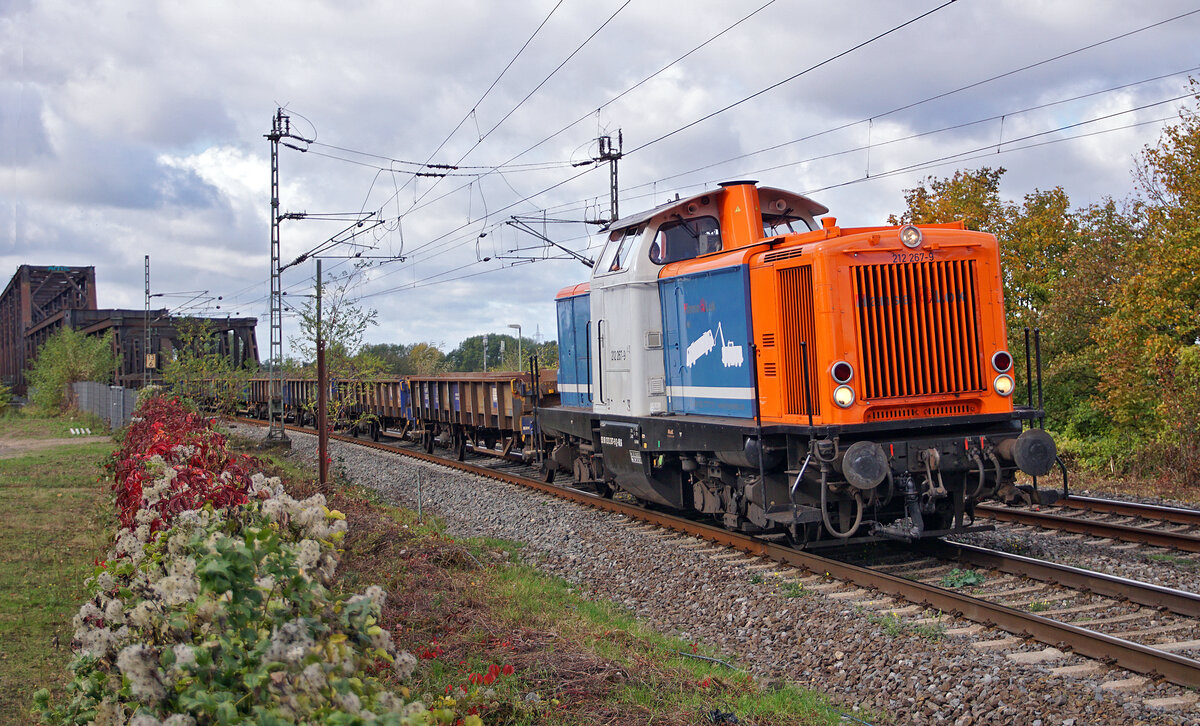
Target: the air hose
pixel 825 513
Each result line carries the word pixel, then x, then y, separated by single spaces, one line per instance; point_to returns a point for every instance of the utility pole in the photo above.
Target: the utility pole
pixel 611 154
pixel 280 127
pixel 322 398
pixel 146 331
pixel 485 347
pixel 520 361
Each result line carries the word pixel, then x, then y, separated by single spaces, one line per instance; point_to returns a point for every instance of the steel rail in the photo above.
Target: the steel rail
pixel 1100 583
pixel 1126 654
pixel 1175 515
pixel 1123 532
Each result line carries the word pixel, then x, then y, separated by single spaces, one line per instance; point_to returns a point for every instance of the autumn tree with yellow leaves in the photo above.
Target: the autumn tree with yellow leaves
pixel 1114 289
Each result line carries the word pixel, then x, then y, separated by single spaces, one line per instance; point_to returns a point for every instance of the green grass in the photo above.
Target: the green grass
pixel 1173 560
pixel 670 680
pixel 599 659
pixel 23 424
pixel 793 589
pixel 54 520
pixel 894 625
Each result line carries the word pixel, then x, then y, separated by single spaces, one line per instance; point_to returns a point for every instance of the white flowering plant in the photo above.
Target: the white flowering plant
pixel 224 615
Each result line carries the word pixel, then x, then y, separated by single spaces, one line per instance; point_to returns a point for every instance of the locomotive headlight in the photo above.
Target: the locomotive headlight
pixel 842 371
pixel 910 236
pixel 1003 384
pixel 843 396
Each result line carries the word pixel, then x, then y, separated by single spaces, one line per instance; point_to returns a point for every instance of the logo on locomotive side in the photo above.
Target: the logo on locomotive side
pixel 732 354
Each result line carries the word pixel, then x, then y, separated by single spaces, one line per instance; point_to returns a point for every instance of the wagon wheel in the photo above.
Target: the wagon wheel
pixel 374 429
pixel 428 441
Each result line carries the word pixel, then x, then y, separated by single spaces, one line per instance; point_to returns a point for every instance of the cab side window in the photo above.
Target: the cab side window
pixel 621 245
pixel 684 239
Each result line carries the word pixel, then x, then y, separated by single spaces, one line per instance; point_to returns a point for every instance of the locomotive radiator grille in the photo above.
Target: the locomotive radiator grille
pixel 918 329
pixel 798 325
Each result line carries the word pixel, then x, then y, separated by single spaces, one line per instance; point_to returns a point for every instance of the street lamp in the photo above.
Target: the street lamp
pixel 518 328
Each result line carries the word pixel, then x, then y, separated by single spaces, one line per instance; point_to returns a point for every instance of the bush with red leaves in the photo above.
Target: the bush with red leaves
pixel 205 472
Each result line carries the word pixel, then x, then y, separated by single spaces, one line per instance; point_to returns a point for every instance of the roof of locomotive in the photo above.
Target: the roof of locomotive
pixel 792 202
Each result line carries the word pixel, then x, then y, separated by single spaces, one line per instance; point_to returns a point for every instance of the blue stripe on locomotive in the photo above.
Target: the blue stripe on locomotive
pixel 706 330
pixel 573 363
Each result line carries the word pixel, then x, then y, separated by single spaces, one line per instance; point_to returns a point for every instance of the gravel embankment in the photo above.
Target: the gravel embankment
pixel 779 631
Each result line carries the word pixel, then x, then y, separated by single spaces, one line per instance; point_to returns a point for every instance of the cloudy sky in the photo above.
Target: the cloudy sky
pixel 135 128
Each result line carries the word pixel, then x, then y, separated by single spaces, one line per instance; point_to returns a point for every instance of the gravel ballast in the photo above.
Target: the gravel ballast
pixel 779 630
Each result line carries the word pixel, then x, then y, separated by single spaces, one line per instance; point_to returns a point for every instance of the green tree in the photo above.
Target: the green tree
pixel 343 326
pixel 1155 319
pixel 1077 304
pixel 972 196
pixel 502 352
pixel 67 357
pixel 403 360
pixel 196 370
pixel 1034 239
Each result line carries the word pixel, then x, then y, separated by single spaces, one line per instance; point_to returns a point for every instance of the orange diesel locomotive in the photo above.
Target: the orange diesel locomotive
pixel 733 356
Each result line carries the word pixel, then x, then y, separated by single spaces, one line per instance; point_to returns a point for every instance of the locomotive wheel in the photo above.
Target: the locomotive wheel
pixel 800 535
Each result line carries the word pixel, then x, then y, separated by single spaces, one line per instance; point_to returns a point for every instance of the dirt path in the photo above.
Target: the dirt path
pixel 10 448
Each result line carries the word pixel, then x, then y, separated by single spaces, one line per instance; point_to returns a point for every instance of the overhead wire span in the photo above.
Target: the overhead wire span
pixel 474 106
pixel 614 99
pixel 529 95
pixel 758 93
pixel 794 76
pixel 988 150
pixel 997 146
pixel 848 124
pixel 653 184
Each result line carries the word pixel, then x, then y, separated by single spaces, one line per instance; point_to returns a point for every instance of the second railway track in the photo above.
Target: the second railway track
pixel 1150 659
pixel 1154 525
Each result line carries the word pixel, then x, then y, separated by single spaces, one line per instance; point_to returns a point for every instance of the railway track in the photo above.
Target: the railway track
pixel 912 583
pixel 1155 525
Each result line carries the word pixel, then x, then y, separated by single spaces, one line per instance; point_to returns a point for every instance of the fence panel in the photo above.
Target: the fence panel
pixel 114 404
